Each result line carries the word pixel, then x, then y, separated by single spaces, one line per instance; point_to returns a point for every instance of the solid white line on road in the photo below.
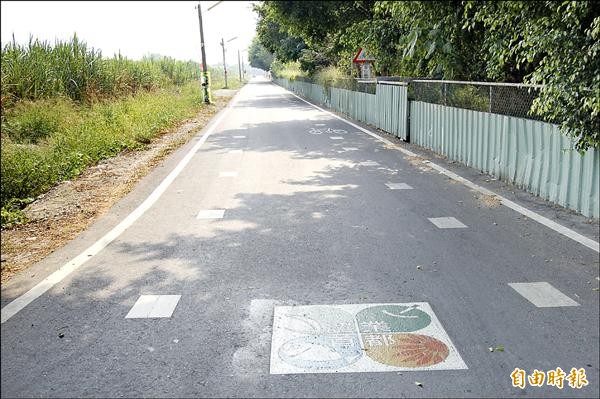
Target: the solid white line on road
pixel 398 186
pixel 19 303
pixel 211 214
pixel 565 231
pixel 447 223
pixel 336 138
pixel 228 174
pixel 153 306
pixel 236 151
pixel 543 295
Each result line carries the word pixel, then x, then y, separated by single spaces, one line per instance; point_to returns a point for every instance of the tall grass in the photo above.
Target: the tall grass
pixel 40 70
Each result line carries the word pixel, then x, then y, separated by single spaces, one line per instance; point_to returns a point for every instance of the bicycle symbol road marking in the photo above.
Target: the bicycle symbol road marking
pixel 327 131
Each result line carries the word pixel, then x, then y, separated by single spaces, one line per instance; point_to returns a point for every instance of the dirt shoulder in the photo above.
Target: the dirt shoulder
pixel 67 209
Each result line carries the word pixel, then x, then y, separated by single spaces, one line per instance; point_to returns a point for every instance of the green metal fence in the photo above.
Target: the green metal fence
pixel 386 109
pixel 531 154
pixel 392 107
pixel 359 106
pixel 311 91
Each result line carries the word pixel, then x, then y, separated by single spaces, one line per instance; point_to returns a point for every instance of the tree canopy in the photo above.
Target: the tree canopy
pixel 551 43
pixel 259 56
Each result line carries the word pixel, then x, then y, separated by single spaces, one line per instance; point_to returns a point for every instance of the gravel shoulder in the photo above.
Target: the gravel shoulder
pixel 59 215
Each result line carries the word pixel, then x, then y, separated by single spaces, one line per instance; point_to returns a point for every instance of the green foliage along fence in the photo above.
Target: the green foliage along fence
pixel 533 155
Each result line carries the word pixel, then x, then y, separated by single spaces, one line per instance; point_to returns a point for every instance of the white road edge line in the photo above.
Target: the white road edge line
pixel 565 231
pixel 22 301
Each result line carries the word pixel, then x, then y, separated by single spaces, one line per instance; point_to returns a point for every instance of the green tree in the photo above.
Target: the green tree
pixel 422 38
pixel 556 43
pixel 275 37
pixel 311 32
pixel 259 56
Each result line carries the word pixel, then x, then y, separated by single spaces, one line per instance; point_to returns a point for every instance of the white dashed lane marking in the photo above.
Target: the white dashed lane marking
pixel 228 174
pixel 398 186
pixel 211 214
pixel 239 137
pixel 350 148
pixel 153 306
pixel 543 294
pixel 369 163
pixel 447 223
pixel 336 138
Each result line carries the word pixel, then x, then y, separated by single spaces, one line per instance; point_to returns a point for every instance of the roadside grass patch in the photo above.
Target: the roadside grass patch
pixel 48 141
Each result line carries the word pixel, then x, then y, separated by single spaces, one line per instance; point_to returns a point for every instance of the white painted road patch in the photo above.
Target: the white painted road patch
pixel 360 338
pixel 398 186
pixel 447 223
pixel 228 174
pixel 153 306
pixel 543 294
pixel 211 214
pixel 369 163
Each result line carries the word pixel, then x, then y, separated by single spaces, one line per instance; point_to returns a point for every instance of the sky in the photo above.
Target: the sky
pixel 135 28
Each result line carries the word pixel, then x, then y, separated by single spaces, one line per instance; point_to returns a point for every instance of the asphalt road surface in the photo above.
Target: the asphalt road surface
pixel 286 205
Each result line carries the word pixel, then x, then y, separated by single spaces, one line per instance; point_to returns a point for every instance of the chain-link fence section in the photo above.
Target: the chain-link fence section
pixel 505 99
pixel 352 84
pixel 510 99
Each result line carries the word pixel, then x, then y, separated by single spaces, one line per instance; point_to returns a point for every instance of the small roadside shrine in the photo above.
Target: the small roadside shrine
pixel 364 63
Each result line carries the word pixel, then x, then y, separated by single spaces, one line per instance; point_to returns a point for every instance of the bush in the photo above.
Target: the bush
pixel 11 213
pixel 288 70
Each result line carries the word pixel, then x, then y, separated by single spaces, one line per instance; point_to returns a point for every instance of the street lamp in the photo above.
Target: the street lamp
pixel 224 61
pixel 204 80
pixel 241 63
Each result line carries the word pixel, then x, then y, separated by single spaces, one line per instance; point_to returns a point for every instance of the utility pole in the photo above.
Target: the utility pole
pixel 240 65
pixel 224 62
pixel 204 80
